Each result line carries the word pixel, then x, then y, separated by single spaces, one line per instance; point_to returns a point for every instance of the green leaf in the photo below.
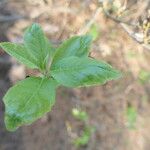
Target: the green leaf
pixel 38 45
pixel 144 76
pixel 131 117
pixel 83 140
pixel 28 100
pixel 77 72
pixel 79 114
pixel 75 46
pixel 94 31
pixel 20 53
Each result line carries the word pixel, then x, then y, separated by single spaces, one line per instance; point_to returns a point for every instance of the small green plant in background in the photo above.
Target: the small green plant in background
pixel 84 139
pixel 131 54
pixel 131 117
pixel 67 65
pixel 80 114
pixel 94 31
pixel 88 130
pixel 144 76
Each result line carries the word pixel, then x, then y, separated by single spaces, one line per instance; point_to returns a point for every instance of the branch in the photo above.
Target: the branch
pixel 139 38
pixel 117 19
pixel 90 23
pixel 135 36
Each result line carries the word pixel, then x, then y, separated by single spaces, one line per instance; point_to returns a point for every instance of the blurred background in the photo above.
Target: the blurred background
pixel 114 116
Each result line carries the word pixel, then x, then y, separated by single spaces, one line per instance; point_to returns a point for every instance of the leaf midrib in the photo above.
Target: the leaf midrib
pixel 34 93
pixel 77 68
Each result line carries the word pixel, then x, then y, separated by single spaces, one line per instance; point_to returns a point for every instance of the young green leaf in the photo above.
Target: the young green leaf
pixel 131 117
pixel 75 46
pixel 28 100
pixel 79 114
pixel 38 44
pixel 94 31
pixel 20 53
pixel 85 137
pixel 77 72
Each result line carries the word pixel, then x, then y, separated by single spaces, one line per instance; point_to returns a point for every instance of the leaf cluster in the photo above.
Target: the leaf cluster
pixel 67 65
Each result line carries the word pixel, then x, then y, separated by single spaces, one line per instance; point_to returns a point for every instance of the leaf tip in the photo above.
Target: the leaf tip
pixel 12 122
